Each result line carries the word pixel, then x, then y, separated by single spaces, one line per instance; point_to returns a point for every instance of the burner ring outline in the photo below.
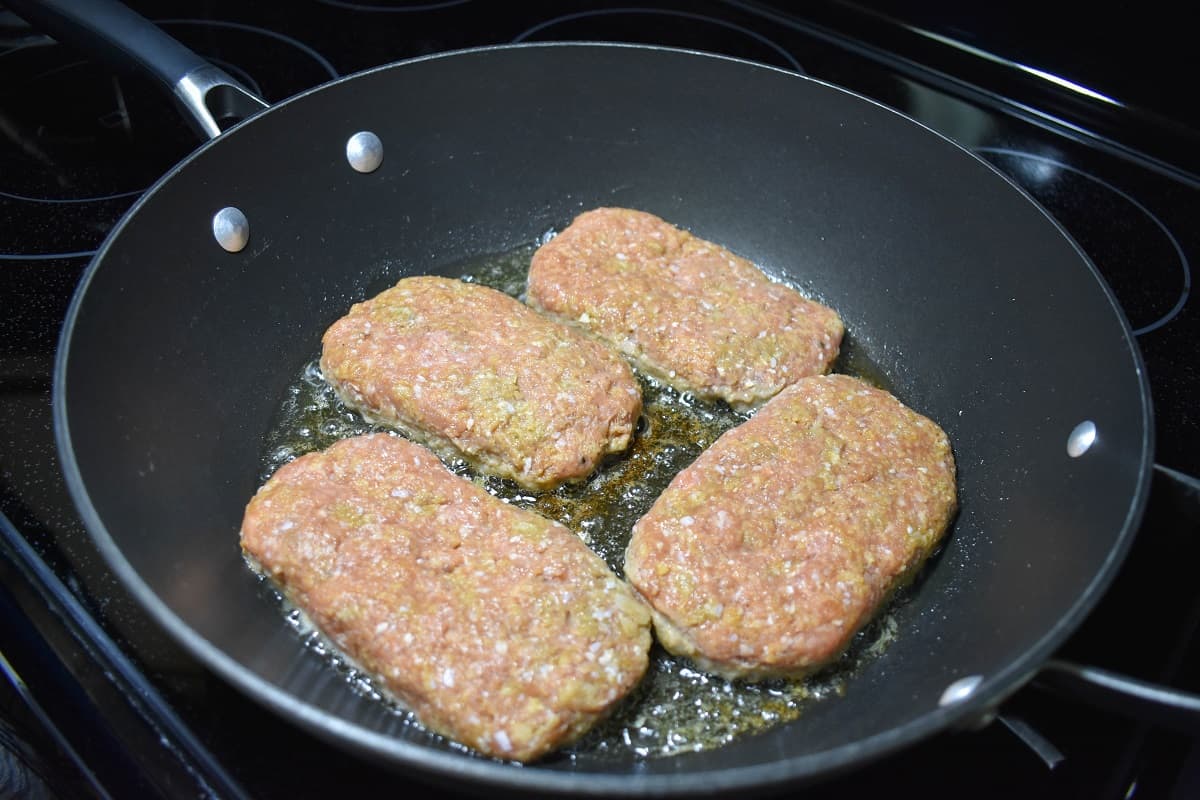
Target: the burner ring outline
pixel 65 200
pixel 1184 264
pixel 46 256
pixel 241 26
pixel 599 12
pixel 393 9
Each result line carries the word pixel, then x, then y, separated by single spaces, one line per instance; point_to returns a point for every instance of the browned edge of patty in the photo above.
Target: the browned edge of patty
pixel 782 540
pixel 474 374
pixel 688 312
pixel 499 628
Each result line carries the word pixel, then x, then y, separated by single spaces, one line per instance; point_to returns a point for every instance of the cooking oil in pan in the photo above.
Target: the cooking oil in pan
pixel 676 708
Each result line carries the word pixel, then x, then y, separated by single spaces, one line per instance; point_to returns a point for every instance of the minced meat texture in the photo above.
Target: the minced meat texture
pixel 497 627
pixel 768 553
pixel 685 310
pixel 474 373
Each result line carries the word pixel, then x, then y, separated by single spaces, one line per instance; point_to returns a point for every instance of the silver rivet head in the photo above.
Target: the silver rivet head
pixel 960 690
pixel 231 229
pixel 364 151
pixel 1081 439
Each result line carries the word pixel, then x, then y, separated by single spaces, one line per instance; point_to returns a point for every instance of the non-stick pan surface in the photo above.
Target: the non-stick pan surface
pixel 977 308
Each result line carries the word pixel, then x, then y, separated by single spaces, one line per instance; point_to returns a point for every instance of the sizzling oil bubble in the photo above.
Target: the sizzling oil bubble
pixel 310 418
pixel 505 272
pixel 676 708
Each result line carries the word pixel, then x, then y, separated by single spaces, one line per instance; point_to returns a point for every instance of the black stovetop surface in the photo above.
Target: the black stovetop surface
pixel 98 684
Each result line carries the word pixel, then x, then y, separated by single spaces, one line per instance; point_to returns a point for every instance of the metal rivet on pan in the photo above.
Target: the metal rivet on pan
pixel 1081 439
pixel 364 151
pixel 231 229
pixel 960 690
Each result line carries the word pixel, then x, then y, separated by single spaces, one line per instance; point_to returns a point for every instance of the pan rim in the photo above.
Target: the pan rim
pixel 399 753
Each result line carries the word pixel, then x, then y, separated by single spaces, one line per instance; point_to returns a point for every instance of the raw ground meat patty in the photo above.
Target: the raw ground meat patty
pixel 472 372
pixel 686 311
pixel 768 553
pixel 497 627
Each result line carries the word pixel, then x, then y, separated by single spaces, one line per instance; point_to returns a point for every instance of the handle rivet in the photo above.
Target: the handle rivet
pixel 364 151
pixel 231 229
pixel 1081 439
pixel 960 690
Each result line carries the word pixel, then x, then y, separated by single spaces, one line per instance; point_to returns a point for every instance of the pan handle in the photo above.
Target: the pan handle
pixel 1179 493
pixel 128 41
pixel 1123 695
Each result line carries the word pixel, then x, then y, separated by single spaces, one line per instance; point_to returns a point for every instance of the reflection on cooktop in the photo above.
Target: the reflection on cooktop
pixel 104 137
pixel 86 141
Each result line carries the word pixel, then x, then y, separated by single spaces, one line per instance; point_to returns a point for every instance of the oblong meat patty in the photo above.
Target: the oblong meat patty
pixel 768 553
pixel 472 372
pixel 685 310
pixel 498 627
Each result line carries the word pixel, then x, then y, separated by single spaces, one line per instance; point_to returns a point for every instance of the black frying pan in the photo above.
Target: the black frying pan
pixel 975 305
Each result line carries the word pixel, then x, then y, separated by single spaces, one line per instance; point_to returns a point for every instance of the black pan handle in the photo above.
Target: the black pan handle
pixel 1124 695
pixel 1184 492
pixel 1150 702
pixel 113 33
